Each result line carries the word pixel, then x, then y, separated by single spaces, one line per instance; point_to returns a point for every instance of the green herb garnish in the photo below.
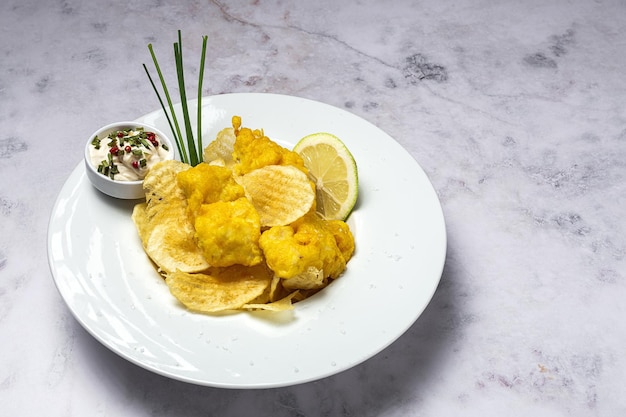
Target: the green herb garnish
pixel 144 143
pixel 190 152
pixel 114 170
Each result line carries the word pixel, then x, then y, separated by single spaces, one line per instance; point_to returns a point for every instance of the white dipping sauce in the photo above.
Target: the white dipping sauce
pixel 127 155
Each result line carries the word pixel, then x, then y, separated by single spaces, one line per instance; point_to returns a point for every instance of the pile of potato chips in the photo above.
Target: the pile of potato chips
pixel 239 231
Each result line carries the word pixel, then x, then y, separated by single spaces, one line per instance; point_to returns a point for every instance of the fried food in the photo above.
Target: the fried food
pixel 227 226
pixel 220 151
pixel 278 305
pixel 227 289
pixel 280 194
pixel 228 232
pixel 308 252
pixel 240 231
pixel 206 184
pixel 254 150
pixel 162 222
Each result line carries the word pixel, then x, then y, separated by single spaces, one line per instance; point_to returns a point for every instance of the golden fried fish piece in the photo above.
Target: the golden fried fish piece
pixel 206 184
pixel 228 233
pixel 308 252
pixel 253 150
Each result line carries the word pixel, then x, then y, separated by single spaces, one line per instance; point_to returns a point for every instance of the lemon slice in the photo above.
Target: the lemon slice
pixel 333 170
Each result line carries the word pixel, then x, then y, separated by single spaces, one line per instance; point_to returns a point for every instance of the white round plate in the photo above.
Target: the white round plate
pixel 113 290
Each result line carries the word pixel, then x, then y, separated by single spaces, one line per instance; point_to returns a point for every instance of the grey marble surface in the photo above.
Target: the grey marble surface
pixel 514 109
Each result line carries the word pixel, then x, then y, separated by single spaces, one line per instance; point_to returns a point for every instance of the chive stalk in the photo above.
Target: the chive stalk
pixel 200 79
pixel 178 58
pixel 176 131
pixel 189 153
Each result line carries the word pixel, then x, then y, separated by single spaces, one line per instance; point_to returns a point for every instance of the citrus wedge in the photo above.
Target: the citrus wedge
pixel 334 172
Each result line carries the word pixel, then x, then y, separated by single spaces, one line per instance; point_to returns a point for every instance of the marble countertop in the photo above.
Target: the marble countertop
pixel 515 110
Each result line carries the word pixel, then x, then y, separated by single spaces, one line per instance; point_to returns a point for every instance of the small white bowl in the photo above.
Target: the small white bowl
pixel 127 190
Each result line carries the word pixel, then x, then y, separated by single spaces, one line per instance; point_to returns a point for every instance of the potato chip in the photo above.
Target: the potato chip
pixel 228 289
pixel 220 150
pixel 283 304
pixel 312 279
pixel 165 230
pixel 276 289
pixel 281 194
pixel 263 298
